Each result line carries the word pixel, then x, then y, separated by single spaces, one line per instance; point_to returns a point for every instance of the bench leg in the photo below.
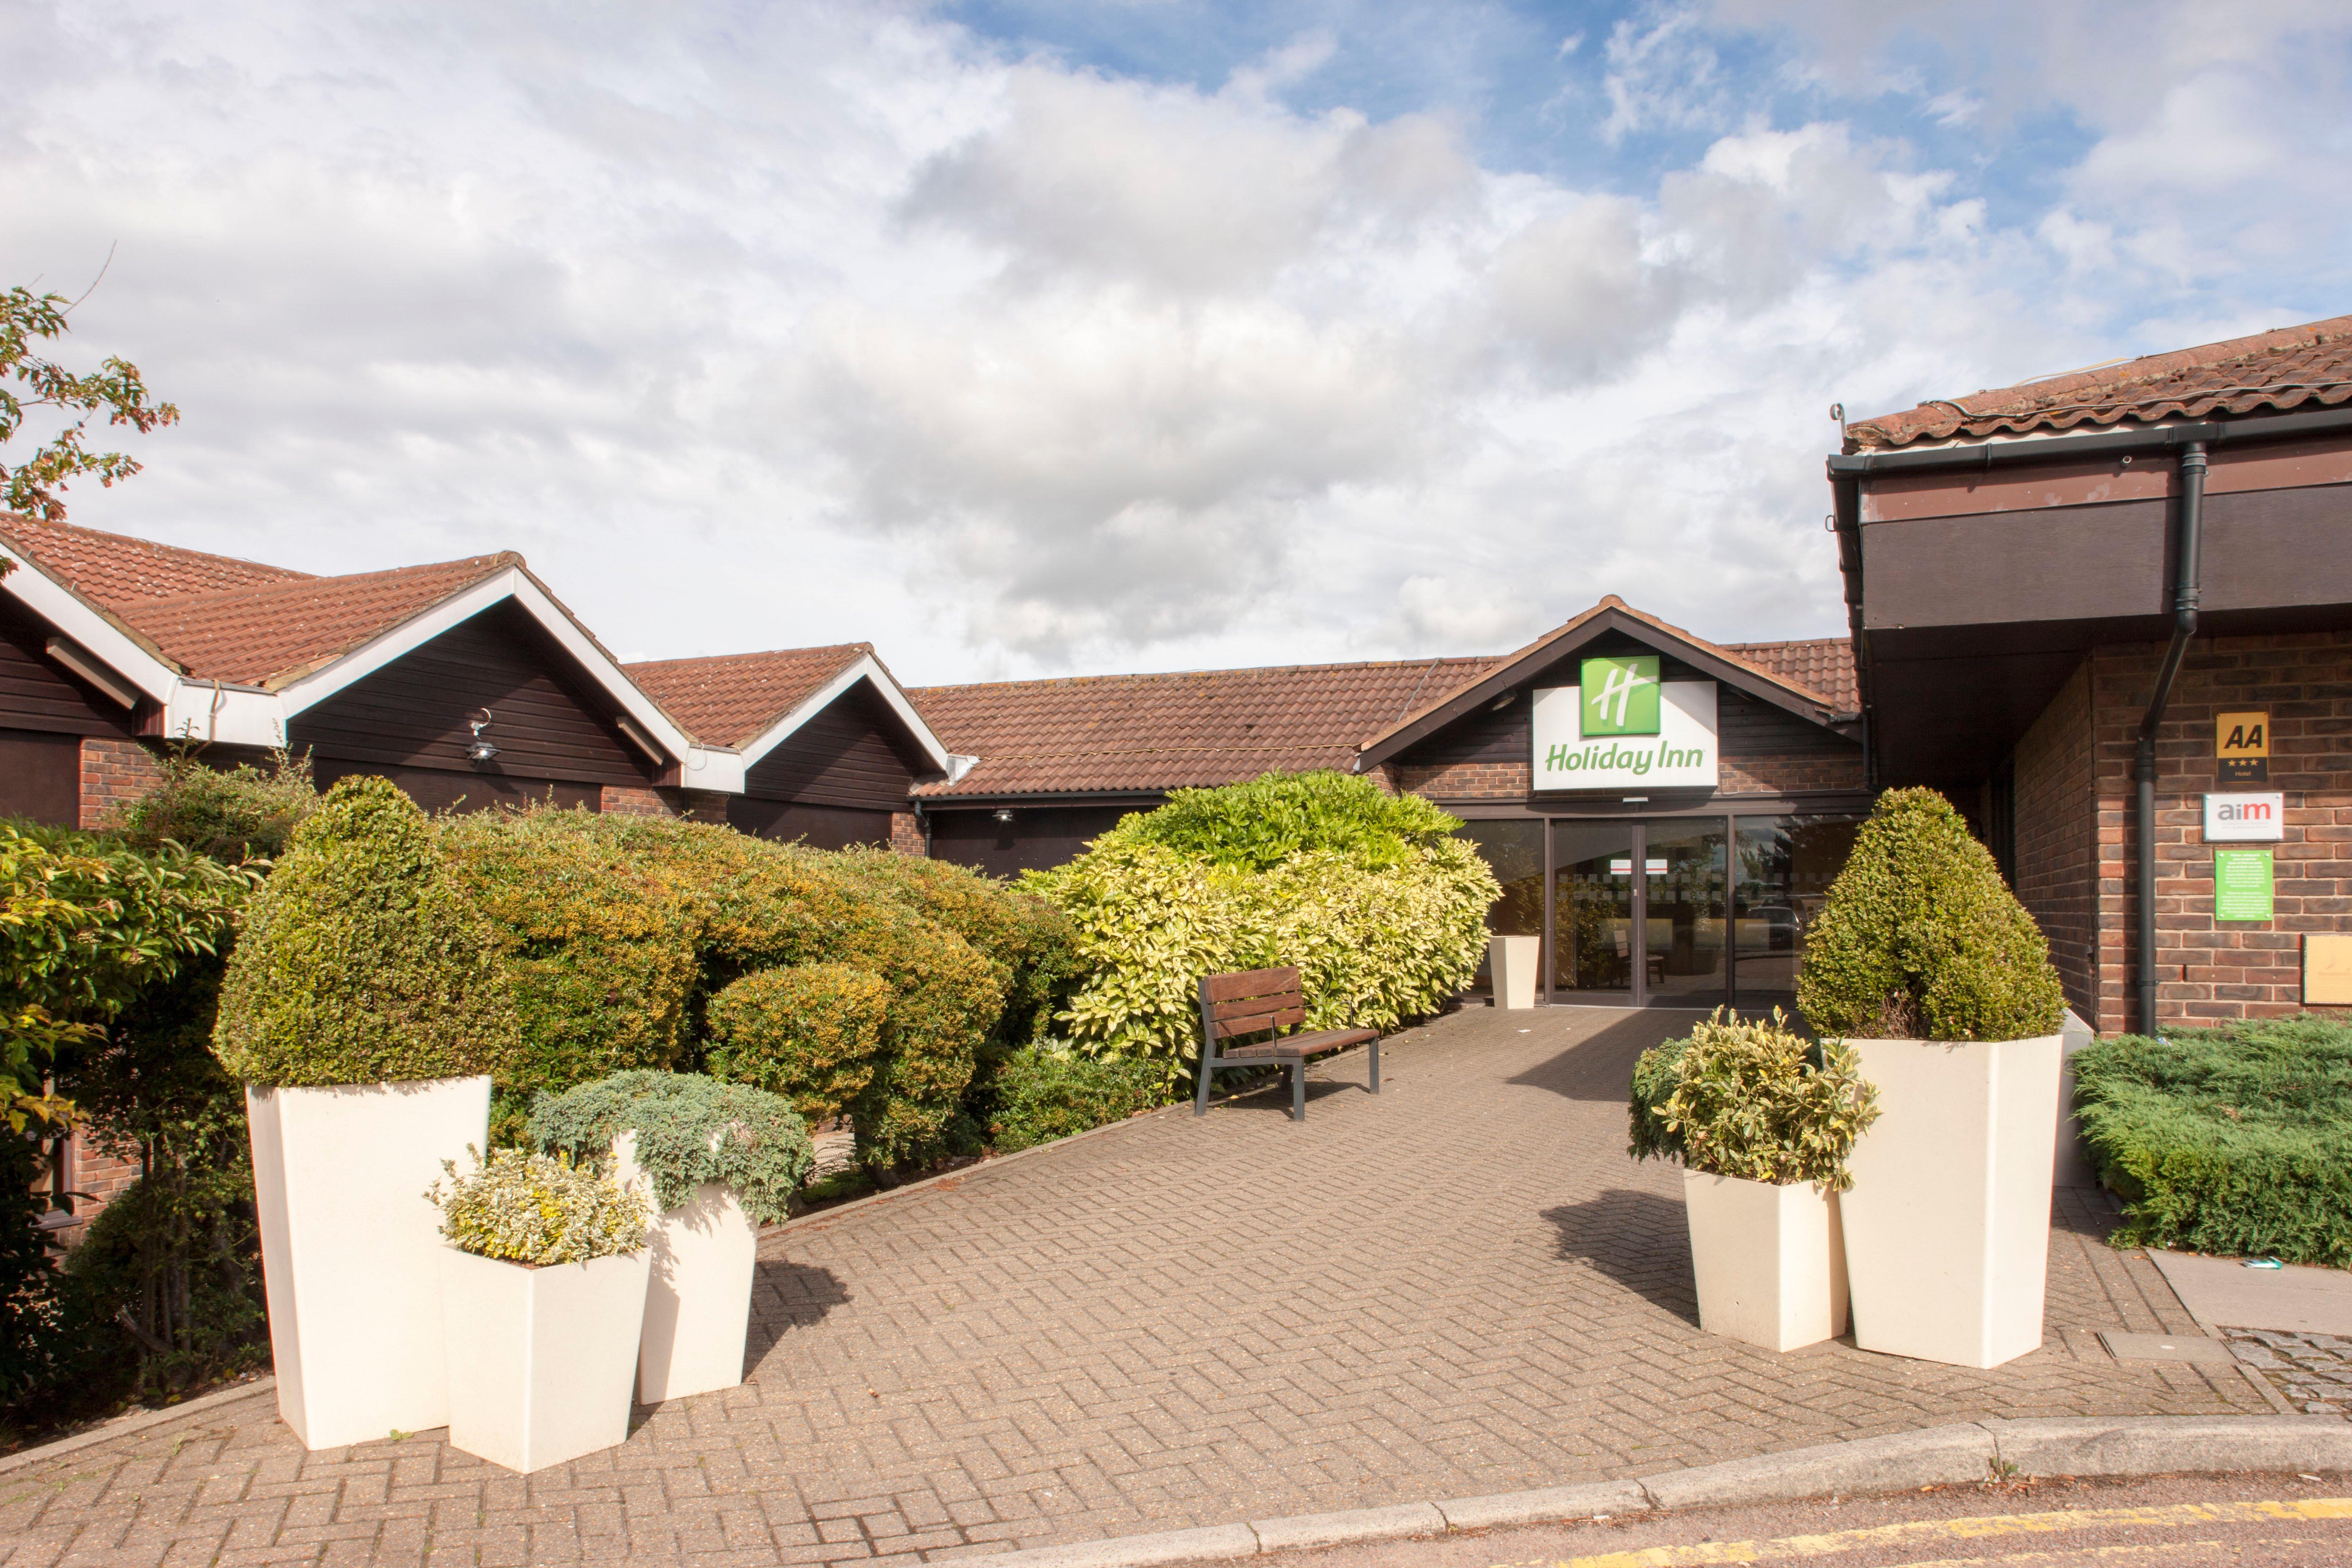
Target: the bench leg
pixel 1200 1092
pixel 1376 1067
pixel 1298 1088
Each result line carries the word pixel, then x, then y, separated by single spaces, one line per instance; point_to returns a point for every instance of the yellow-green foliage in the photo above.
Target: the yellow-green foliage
pixel 812 1033
pixel 1753 1098
pixel 535 1208
pixel 597 951
pixel 361 962
pixel 1920 937
pixel 1373 946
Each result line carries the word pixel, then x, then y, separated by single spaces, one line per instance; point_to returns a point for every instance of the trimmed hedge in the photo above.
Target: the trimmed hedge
pixel 1043 1092
pixel 361 962
pixel 2234 1140
pixel 1920 937
pixel 597 954
pixel 1257 826
pixel 812 1033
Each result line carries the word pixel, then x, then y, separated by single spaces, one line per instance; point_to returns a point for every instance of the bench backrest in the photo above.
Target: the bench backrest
pixel 1250 1003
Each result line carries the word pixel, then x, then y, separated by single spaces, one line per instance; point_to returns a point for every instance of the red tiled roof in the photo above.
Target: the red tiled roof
pixel 113 569
pixel 1823 665
pixel 2287 368
pixel 1138 732
pixel 733 698
pixel 275 633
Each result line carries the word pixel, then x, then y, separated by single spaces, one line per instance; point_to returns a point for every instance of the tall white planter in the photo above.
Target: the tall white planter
pixel 351 1248
pixel 540 1359
pixel 1512 962
pixel 1948 1224
pixel 698 1298
pixel 1770 1260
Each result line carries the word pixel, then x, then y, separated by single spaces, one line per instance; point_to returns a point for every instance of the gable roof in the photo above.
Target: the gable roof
pixel 1821 665
pixel 266 643
pixel 113 569
pixel 1612 614
pixel 753 701
pixel 2286 368
pixel 1131 734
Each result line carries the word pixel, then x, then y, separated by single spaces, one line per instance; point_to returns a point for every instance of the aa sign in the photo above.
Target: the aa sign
pixel 2242 741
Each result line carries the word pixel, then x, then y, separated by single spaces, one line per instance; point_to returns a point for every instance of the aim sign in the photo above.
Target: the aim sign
pixel 1677 752
pixel 2247 819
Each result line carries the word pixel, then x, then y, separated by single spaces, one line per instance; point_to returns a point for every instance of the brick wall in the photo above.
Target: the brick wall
pixel 632 800
pixel 2208 970
pixel 2058 837
pixel 114 773
pixel 1776 775
pixel 906 833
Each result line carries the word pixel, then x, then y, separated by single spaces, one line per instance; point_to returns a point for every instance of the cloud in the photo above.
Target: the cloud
pixel 839 322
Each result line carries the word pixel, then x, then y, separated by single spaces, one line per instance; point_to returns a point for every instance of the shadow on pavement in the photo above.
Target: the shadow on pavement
pixel 1600 1066
pixel 787 1295
pixel 1639 1239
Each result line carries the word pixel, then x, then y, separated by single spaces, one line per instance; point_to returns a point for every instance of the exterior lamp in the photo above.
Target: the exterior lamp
pixel 478 750
pixel 1005 814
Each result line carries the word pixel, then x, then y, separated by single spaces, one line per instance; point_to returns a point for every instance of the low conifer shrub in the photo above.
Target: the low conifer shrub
pixel 1751 1098
pixel 690 1130
pixel 2234 1141
pixel 1920 937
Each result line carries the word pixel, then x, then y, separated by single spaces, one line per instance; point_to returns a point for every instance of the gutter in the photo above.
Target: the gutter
pixel 2187 545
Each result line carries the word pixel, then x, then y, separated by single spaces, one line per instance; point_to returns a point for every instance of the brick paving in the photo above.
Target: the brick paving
pixel 1460 1287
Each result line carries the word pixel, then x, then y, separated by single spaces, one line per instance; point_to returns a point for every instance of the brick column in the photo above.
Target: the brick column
pixel 113 773
pixel 906 833
pixel 622 800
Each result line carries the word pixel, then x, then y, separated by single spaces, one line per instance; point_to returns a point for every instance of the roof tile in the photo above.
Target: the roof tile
pixel 1821 665
pixel 114 569
pixel 2287 368
pixel 733 698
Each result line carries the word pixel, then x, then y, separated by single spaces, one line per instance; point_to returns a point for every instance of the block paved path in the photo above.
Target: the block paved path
pixel 1460 1287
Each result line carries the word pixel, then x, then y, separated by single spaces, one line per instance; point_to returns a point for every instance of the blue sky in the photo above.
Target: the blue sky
pixel 1039 337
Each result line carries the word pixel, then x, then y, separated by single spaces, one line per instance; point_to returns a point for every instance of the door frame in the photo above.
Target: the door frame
pixel 1638 993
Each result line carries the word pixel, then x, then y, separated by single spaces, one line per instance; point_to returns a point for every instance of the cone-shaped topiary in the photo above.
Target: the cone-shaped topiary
pixel 360 962
pixel 1920 938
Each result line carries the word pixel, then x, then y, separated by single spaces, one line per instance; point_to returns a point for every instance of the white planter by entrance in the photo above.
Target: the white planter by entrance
pixel 1770 1260
pixel 1948 1224
pixel 698 1300
pixel 540 1360
pixel 351 1248
pixel 1512 961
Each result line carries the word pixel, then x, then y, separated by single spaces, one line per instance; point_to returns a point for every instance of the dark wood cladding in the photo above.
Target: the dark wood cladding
pixel 819 827
pixel 549 724
pixel 1038 836
pixel 444 789
pixel 854 753
pixel 36 693
pixel 2263 549
pixel 40 776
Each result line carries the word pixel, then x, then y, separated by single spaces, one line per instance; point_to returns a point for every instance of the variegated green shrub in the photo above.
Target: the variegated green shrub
pixel 537 1209
pixel 1373 944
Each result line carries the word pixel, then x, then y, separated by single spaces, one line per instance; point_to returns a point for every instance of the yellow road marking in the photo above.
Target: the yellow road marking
pixel 1981 1527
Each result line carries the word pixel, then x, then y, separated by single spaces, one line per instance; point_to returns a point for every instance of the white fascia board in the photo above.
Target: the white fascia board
pixel 70 613
pixel 512 584
pixel 865 667
pixel 225 715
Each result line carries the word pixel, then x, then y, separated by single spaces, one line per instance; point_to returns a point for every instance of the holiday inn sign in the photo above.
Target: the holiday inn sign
pixel 1624 725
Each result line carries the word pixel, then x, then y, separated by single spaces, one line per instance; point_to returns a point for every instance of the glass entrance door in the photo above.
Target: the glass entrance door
pixel 1682 914
pixel 1595 909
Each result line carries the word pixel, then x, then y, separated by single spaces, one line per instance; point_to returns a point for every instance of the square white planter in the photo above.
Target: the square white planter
pixel 1512 962
pixel 540 1360
pixel 1770 1260
pixel 698 1298
pixel 351 1248
pixel 1948 1224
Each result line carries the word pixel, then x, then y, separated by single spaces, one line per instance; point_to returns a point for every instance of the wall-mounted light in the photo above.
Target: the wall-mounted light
pixel 1505 701
pixel 1005 814
pixel 478 750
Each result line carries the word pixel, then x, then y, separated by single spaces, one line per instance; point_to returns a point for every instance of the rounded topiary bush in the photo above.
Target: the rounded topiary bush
pixel 812 1033
pixel 359 961
pixel 1920 937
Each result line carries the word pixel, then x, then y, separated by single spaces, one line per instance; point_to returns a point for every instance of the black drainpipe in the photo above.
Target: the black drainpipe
pixel 2184 626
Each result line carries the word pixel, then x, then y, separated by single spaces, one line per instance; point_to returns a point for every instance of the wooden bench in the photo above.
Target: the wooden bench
pixel 1265 1002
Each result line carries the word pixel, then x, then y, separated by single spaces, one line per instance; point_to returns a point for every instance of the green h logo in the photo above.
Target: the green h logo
pixel 1621 696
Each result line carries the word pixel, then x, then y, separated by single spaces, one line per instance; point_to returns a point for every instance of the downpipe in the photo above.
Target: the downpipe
pixel 2188 543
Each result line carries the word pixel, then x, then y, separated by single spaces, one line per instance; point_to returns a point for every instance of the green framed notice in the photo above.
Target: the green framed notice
pixel 2242 884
